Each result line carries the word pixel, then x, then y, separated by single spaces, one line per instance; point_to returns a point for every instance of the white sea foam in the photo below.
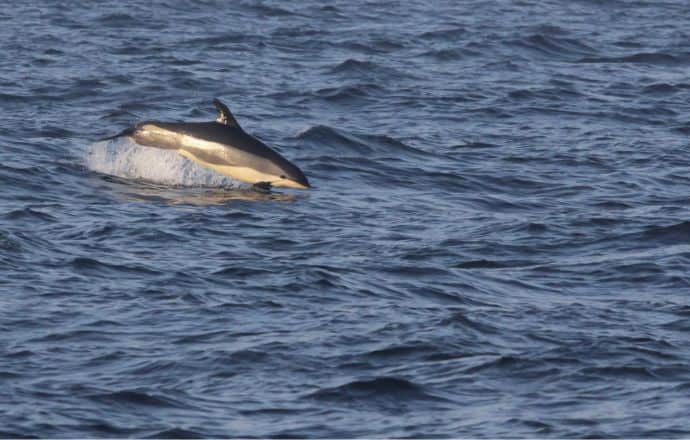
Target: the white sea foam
pixel 124 158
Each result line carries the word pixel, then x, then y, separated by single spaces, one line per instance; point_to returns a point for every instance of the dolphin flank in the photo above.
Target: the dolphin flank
pixel 223 146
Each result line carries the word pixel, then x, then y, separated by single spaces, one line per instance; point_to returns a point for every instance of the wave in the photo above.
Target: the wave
pixel 549 94
pixel 481 264
pixel 664 88
pixel 370 46
pixel 228 37
pixel 473 145
pixel 349 93
pixel 28 214
pixel 629 372
pixel 444 34
pixel 673 234
pixel 138 398
pixel 405 351
pixel 10 97
pixel 448 54
pixel 323 136
pixel 332 140
pixel 177 433
pixel 655 58
pixel 380 388
pixel 351 65
pixel 553 47
pixel 517 366
pixel 8 243
pixel 120 21
pixel 264 10
pixel 365 69
pixel 11 434
pixel 91 265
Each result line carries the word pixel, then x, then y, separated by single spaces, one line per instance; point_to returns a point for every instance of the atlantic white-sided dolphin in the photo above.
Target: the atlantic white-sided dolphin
pixel 223 146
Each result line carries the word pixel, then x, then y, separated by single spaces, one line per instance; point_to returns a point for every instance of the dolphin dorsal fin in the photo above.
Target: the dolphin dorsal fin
pixel 224 115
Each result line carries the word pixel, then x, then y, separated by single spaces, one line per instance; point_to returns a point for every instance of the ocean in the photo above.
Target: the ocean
pixel 496 244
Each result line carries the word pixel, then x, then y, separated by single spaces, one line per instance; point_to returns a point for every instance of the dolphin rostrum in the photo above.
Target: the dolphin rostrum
pixel 223 146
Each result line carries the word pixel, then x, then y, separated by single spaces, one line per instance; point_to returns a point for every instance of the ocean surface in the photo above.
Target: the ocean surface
pixel 496 244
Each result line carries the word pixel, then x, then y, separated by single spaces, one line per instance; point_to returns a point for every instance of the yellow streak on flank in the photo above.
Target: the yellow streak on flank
pixel 243 174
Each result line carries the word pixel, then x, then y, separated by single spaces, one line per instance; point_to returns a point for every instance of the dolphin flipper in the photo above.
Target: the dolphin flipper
pixel 263 187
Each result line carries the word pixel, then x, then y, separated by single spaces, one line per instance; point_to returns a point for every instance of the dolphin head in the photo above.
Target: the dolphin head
pixel 289 176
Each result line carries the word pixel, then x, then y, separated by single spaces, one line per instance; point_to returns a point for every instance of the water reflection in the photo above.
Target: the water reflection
pixel 142 191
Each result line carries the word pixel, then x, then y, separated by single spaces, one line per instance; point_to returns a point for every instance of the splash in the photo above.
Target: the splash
pixel 124 158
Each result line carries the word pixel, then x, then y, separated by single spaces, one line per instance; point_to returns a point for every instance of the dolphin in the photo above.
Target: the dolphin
pixel 223 146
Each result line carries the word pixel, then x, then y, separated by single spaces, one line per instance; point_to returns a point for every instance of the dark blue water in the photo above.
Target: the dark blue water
pixel 497 242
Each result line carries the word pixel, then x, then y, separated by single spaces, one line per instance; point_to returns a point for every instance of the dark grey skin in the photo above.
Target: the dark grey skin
pixel 223 146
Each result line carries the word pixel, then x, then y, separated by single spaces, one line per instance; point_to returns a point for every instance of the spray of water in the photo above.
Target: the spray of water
pixel 124 158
